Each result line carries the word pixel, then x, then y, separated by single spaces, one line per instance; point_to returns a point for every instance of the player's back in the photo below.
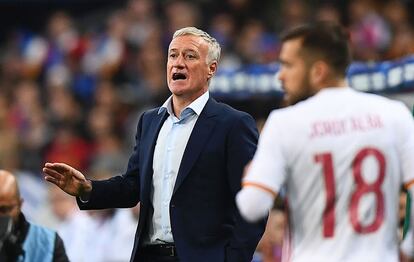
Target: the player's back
pixel 342 156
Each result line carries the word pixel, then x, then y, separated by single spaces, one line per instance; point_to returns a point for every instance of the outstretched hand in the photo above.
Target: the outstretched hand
pixel 67 178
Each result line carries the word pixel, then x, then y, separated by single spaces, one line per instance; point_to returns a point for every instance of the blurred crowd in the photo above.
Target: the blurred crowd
pixel 73 92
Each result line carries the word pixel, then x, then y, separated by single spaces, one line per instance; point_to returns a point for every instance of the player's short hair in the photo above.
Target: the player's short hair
pixel 214 48
pixel 323 40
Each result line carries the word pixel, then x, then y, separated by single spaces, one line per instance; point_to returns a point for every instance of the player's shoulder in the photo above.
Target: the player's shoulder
pixel 394 110
pixel 375 97
pixel 283 115
pixel 292 110
pixel 336 98
pixel 383 103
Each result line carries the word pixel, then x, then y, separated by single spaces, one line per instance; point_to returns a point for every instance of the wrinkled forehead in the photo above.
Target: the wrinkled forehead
pixel 188 42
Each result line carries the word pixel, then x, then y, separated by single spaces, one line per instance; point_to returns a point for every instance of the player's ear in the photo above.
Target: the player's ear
pixel 318 73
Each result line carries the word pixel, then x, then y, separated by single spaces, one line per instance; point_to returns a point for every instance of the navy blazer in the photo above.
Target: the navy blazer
pixel 205 221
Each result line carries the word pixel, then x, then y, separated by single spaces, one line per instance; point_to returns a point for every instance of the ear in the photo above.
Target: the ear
pixel 318 73
pixel 212 68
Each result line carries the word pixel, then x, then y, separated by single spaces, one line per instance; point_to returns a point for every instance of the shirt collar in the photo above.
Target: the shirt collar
pixel 197 105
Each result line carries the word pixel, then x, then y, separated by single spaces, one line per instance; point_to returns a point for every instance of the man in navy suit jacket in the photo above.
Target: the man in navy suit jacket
pixel 185 170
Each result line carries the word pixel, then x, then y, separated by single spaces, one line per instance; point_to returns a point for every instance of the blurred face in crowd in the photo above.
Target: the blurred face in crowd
pixel 187 70
pixel 294 72
pixel 10 202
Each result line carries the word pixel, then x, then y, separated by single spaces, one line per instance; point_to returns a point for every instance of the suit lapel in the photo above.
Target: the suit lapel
pixel 199 136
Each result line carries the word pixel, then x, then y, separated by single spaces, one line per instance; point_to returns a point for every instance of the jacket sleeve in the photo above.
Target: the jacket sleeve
pixel 241 148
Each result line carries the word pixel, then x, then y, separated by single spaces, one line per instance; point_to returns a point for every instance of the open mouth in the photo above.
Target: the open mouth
pixel 179 76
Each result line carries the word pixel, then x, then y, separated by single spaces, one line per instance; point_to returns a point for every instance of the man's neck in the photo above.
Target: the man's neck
pixel 181 102
pixel 332 83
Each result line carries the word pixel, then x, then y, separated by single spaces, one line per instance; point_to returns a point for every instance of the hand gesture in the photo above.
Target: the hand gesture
pixel 67 178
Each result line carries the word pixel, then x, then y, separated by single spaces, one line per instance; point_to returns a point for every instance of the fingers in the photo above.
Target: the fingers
pixel 66 177
pixel 52 173
pixel 62 169
pixel 53 176
pixel 52 180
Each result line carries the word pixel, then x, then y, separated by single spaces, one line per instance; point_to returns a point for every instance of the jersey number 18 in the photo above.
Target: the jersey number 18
pixel 361 188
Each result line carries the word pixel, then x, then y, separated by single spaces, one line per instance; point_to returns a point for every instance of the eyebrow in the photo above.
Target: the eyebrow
pixel 185 50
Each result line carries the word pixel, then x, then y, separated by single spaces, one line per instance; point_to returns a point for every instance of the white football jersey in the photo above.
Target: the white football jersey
pixel 342 156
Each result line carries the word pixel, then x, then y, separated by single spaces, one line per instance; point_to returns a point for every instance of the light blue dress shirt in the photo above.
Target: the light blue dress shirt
pixel 171 143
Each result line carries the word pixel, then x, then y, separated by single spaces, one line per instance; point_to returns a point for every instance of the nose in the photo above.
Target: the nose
pixel 281 74
pixel 178 62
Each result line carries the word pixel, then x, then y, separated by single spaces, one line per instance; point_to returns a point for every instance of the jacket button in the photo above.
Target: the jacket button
pixel 172 205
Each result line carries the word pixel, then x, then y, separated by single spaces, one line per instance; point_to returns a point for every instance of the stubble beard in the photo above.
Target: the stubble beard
pixel 306 91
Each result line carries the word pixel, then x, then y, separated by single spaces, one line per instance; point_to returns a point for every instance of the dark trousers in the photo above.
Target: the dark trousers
pixel 158 253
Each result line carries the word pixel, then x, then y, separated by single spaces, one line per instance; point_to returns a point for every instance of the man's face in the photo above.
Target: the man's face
pixel 294 73
pixel 10 205
pixel 187 69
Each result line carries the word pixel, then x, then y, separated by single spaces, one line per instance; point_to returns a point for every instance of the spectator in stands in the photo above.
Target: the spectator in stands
pixel 9 142
pixel 293 13
pixel 69 147
pixel 152 85
pixel 370 32
pixel 255 45
pixel 29 120
pixel 328 13
pixel 402 43
pixel 180 14
pixel 223 27
pixel 142 20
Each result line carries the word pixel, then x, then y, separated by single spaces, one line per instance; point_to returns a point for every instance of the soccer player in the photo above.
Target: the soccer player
pixel 342 156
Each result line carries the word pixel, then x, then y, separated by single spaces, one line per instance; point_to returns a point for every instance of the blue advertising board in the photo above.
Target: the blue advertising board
pixel 375 77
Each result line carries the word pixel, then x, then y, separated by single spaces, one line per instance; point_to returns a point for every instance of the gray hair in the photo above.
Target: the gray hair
pixel 214 48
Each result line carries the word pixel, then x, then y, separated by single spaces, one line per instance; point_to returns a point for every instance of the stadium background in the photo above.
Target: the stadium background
pixel 75 76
